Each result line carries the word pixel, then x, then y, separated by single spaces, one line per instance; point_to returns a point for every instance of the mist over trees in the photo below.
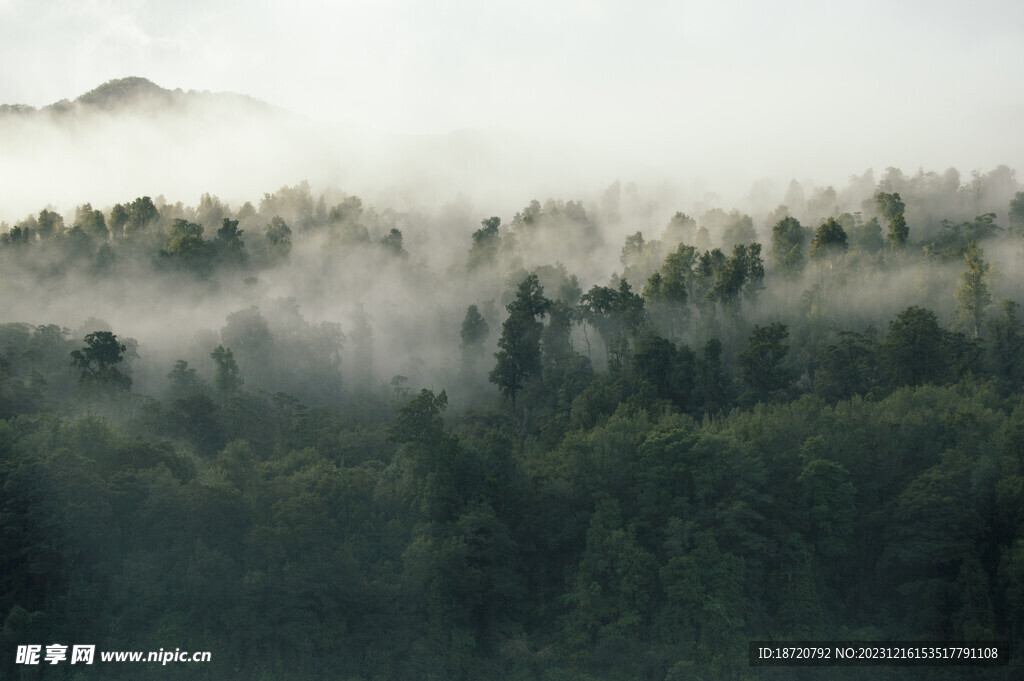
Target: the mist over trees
pixel 596 439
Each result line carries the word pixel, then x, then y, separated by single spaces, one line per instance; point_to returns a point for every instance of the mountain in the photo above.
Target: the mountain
pixel 131 137
pixel 135 93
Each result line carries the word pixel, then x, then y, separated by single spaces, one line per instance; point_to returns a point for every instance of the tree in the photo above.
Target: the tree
pixel 97 362
pixel 91 221
pixel 972 296
pixel 1005 347
pixel 392 243
pixel 615 313
pixel 474 327
pixel 612 590
pixel 890 206
pixel 436 481
pixel 788 240
pixel 474 333
pixel 140 214
pixel 50 224
pixel 184 381
pixel 556 339
pixel 519 355
pixel 677 274
pixel 228 243
pixel 666 369
pixel 211 211
pixel 738 277
pixel 869 238
pixel 912 353
pixel 1017 214
pixel 485 243
pixel 118 219
pixel 848 367
pixel 419 421
pixel 17 236
pixel 185 244
pixel 713 389
pixel 899 232
pixel 227 381
pixel 680 230
pixel 739 230
pixel 829 241
pixel 825 497
pixel 761 365
pixel 280 237
pixel 669 290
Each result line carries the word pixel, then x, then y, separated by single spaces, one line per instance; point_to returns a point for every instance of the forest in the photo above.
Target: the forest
pixel 596 439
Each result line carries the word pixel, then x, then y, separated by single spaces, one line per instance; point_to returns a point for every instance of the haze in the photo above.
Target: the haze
pixel 728 91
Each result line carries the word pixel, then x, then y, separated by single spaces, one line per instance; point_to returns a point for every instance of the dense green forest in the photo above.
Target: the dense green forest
pixel 586 441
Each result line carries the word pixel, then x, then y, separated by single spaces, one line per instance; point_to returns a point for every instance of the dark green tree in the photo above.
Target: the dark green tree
pixel 227 380
pixel 890 206
pixel 50 224
pixel 473 333
pixel 761 365
pixel 869 237
pixel 713 388
pixel 141 213
pixel 847 367
pixel 736 278
pixel 91 222
pixel 616 314
pixel 519 354
pixel 899 232
pixel 912 353
pixel 228 243
pixel 612 592
pixel 485 243
pixel 118 219
pixel 829 240
pixel 474 327
pixel 788 241
pixel 1005 346
pixel 664 368
pixel 669 290
pixel 184 381
pixel 185 245
pixel 97 363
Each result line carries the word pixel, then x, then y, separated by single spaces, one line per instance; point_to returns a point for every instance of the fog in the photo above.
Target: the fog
pixel 535 101
pixel 565 212
pixel 396 340
pixel 611 118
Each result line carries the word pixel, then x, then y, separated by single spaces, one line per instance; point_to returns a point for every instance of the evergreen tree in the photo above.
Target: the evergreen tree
pixel 227 381
pixel 972 296
pixel 519 355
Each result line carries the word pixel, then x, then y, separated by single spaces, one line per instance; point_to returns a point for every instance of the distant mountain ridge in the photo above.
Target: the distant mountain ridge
pixel 133 92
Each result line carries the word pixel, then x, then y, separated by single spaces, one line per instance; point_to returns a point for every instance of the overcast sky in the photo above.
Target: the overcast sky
pixel 784 87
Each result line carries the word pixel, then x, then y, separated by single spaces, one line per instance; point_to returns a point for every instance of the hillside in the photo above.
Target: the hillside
pixel 126 94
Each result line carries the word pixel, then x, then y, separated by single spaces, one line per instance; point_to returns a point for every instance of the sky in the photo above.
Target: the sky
pixel 785 88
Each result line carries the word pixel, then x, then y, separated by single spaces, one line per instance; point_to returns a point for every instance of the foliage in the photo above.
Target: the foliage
pixel 519 345
pixel 97 363
pixel 759 468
